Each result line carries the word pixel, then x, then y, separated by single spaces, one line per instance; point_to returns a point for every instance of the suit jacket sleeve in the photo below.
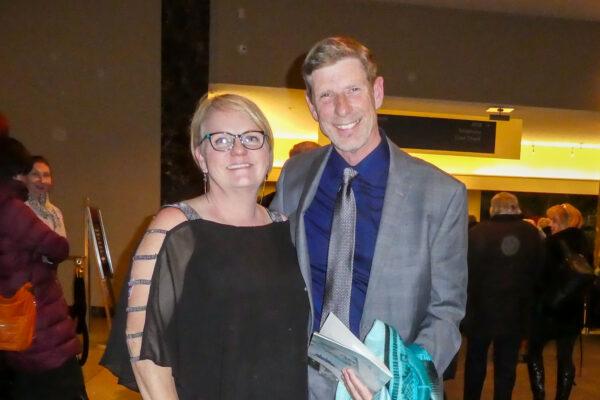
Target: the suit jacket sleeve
pixel 277 203
pixel 439 333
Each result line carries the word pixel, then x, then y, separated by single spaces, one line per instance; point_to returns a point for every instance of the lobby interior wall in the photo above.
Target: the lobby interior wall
pixel 80 84
pixel 423 52
pixel 474 203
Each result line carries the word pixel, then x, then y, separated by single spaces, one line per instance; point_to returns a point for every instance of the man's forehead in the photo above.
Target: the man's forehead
pixel 344 71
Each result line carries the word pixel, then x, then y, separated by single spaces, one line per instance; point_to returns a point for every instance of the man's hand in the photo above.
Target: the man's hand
pixel 355 387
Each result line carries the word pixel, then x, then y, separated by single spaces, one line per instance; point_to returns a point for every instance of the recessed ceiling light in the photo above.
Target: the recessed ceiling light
pixel 499 110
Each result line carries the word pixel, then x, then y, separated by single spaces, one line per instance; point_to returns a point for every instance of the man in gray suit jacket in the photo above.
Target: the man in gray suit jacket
pixel 410 266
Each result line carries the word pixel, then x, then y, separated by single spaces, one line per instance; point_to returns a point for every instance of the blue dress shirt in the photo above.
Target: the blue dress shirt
pixel 369 192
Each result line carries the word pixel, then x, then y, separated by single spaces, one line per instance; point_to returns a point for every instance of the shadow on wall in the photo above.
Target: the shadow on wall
pixel 293 78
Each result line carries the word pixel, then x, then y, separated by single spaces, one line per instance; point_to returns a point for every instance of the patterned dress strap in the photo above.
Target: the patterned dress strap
pixel 276 216
pixel 186 209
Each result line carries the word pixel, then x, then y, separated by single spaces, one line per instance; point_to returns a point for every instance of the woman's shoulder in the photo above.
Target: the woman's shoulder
pixel 167 218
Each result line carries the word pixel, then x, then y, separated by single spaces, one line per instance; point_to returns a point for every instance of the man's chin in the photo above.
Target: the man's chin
pixel 347 149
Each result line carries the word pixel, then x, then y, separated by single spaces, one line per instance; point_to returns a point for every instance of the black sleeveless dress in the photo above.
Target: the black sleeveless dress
pixel 228 312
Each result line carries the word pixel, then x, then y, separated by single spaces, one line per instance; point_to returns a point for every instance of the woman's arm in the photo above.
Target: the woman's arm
pixel 154 382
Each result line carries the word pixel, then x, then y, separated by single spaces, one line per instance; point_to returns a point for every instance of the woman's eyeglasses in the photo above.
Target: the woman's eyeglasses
pixel 224 141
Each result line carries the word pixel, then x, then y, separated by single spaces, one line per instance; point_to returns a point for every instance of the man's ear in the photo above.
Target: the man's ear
pixel 311 107
pixel 378 92
pixel 200 160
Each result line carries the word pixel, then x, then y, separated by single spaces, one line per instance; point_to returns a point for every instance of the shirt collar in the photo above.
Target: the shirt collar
pixel 373 168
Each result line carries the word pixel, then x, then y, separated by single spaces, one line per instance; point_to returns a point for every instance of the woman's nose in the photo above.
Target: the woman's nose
pixel 238 147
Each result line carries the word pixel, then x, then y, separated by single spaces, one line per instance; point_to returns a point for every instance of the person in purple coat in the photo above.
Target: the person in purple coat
pixel 30 252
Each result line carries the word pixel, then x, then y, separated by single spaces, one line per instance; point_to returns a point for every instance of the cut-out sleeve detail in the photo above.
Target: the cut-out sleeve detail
pixel 135 335
pixel 126 337
pixel 135 309
pixel 141 257
pixel 134 282
pixel 140 280
pixel 139 284
pixel 161 231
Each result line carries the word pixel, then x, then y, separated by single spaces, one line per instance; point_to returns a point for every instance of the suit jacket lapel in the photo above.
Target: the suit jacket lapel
pixel 396 191
pixel 311 183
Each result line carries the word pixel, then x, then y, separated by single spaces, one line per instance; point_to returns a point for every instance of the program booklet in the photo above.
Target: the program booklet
pixel 335 347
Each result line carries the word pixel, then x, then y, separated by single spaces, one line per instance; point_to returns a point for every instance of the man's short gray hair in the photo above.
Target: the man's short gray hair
pixel 505 203
pixel 333 49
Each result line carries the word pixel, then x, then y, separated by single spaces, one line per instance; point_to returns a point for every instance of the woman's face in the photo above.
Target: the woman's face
pixel 39 179
pixel 236 168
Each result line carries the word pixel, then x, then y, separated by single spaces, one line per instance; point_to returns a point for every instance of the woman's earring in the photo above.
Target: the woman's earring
pixel 205 179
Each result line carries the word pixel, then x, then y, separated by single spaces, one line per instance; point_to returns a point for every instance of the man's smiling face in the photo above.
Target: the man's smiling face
pixel 345 104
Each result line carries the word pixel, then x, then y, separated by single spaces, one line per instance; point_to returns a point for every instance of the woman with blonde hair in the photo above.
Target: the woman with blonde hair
pixel 560 321
pixel 217 307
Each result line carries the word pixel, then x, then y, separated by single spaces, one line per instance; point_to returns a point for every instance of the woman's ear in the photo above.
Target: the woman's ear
pixel 200 160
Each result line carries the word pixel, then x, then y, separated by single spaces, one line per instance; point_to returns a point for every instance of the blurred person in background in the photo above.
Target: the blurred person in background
pixel 504 260
pixel 39 183
pixel 4 125
pixel 560 321
pixel 544 225
pixel 303 147
pixel 30 252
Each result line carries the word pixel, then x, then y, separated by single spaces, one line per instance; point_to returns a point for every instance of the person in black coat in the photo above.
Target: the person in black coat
pixel 563 321
pixel 504 258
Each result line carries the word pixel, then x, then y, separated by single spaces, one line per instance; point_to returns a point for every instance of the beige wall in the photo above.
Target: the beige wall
pixel 80 83
pixel 474 203
pixel 423 52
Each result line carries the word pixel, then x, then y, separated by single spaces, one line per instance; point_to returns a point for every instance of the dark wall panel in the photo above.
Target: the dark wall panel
pixel 185 54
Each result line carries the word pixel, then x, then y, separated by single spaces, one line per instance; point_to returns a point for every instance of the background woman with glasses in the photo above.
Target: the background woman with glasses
pixel 216 307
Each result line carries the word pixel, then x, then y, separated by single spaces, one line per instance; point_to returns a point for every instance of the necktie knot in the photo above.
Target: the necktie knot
pixel 349 174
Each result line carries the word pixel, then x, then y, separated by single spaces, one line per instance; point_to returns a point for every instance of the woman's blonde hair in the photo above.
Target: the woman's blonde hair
pixel 228 102
pixel 566 214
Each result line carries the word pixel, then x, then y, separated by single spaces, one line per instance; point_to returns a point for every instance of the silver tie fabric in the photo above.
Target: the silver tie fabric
pixel 340 257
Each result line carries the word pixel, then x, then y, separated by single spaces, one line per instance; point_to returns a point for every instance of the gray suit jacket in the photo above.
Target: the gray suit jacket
pixel 418 277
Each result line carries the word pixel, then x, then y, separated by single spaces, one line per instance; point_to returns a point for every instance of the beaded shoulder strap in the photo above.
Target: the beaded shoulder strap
pixel 186 209
pixel 276 216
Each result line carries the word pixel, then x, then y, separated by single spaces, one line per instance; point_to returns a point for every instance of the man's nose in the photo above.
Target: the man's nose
pixel 342 105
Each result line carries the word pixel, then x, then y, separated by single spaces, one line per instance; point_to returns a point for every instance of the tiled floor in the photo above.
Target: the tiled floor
pixel 101 385
pixel 587 384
